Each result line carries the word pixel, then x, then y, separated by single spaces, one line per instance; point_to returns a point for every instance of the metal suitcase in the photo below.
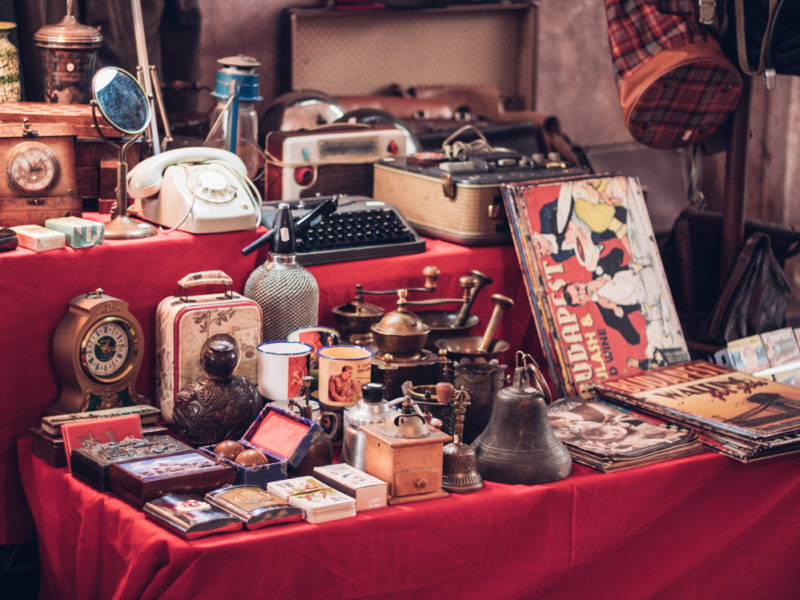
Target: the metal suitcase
pixel 462 208
pixel 186 324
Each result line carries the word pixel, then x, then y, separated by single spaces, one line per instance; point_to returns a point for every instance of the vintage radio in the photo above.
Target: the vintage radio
pixel 460 200
pixel 335 159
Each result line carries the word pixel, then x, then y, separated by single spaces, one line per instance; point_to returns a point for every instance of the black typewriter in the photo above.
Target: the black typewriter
pixel 359 228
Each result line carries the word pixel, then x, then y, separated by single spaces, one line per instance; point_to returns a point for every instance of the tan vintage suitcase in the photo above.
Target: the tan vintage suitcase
pixel 344 52
pixel 465 208
pixel 185 324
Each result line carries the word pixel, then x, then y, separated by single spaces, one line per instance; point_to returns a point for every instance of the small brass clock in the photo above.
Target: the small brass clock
pixel 98 349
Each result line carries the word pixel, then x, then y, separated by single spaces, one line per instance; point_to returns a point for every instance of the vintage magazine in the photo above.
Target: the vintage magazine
pixel 190 515
pixel 609 438
pixel 597 288
pixel 732 406
pixel 748 354
pixel 783 354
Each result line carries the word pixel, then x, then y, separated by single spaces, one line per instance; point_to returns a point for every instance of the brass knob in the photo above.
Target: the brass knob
pixel 421 483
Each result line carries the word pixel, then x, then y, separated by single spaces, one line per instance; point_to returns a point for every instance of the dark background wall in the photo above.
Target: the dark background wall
pixel 572 70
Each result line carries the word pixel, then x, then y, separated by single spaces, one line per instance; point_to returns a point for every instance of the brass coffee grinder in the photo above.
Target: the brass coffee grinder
pixel 356 318
pixel 401 355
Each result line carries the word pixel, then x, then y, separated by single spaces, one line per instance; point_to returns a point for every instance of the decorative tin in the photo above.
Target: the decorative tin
pixel 68 51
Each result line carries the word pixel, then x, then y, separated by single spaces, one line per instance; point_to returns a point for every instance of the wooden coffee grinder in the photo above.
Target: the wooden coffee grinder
pixel 406 453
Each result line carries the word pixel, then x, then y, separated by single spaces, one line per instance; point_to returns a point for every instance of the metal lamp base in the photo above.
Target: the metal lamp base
pixel 123 227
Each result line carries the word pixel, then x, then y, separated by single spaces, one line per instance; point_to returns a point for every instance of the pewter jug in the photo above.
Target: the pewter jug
pixel 518 445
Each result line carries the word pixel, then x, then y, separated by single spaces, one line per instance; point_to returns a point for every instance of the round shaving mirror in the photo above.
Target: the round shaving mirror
pixel 121 100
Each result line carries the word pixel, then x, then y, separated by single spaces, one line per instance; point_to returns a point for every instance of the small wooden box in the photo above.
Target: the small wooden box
pixel 91 464
pixel 140 481
pixel 411 466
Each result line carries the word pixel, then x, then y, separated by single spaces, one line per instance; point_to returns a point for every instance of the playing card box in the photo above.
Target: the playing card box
pixel 91 463
pixel 191 516
pixel 256 506
pixel 186 323
pixel 281 436
pixel 39 239
pixel 319 501
pixel 140 481
pixel 368 491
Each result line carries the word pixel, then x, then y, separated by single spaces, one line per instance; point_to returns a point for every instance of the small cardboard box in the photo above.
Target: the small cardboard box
pixel 80 233
pixel 39 239
pixel 283 437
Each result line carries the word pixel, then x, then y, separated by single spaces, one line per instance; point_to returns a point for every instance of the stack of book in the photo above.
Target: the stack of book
pixel 319 501
pixel 738 414
pixel 609 438
pixel 595 281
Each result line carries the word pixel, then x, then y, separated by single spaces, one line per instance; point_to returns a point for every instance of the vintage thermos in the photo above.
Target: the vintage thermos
pixel 286 291
pixel 372 408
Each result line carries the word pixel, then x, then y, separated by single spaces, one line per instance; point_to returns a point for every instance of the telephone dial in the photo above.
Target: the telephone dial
pixel 199 190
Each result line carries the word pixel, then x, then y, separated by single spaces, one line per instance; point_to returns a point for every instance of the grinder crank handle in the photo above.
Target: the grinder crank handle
pixel 328 206
pixel 501 303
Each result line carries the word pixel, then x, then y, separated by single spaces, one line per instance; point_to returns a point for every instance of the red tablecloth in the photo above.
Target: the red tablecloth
pixel 37 287
pixel 699 527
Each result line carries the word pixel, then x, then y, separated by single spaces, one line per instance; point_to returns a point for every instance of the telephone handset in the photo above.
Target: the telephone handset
pixel 199 190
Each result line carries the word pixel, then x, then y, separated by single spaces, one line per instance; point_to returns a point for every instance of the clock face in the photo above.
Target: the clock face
pixel 106 351
pixel 32 168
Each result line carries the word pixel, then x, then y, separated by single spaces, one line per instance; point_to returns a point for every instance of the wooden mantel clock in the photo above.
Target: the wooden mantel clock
pixel 98 349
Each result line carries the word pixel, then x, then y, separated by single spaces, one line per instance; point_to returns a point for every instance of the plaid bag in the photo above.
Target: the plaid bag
pixel 676 86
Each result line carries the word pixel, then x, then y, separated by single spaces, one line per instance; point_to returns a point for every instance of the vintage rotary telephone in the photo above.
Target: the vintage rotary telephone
pixel 199 190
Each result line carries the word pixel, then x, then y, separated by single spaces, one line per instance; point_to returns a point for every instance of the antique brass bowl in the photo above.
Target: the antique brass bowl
pixel 442 324
pixel 469 347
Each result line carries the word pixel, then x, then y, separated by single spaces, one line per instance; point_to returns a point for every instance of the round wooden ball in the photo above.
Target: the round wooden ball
pixel 251 458
pixel 229 449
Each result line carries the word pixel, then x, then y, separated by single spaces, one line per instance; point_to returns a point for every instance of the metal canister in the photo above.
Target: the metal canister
pixel 372 408
pixel 68 52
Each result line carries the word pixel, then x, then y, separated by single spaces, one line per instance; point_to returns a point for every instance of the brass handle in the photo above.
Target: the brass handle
pixel 421 483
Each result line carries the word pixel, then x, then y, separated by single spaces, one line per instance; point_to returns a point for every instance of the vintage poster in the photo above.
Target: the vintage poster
pixel 595 279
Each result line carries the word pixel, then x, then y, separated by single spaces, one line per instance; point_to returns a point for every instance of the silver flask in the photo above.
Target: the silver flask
pixel 285 290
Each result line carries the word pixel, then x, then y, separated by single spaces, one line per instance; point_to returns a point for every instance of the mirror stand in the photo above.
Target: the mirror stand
pixel 122 227
pixel 124 105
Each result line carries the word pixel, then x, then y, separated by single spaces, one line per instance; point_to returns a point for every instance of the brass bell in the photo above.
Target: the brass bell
pixel 459 472
pixel 518 445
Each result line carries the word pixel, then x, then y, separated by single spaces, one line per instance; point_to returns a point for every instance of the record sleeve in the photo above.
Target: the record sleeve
pixel 732 406
pixel 609 438
pixel 598 292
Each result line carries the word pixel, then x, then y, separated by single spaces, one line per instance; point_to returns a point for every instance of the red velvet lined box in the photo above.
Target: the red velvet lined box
pixel 283 437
